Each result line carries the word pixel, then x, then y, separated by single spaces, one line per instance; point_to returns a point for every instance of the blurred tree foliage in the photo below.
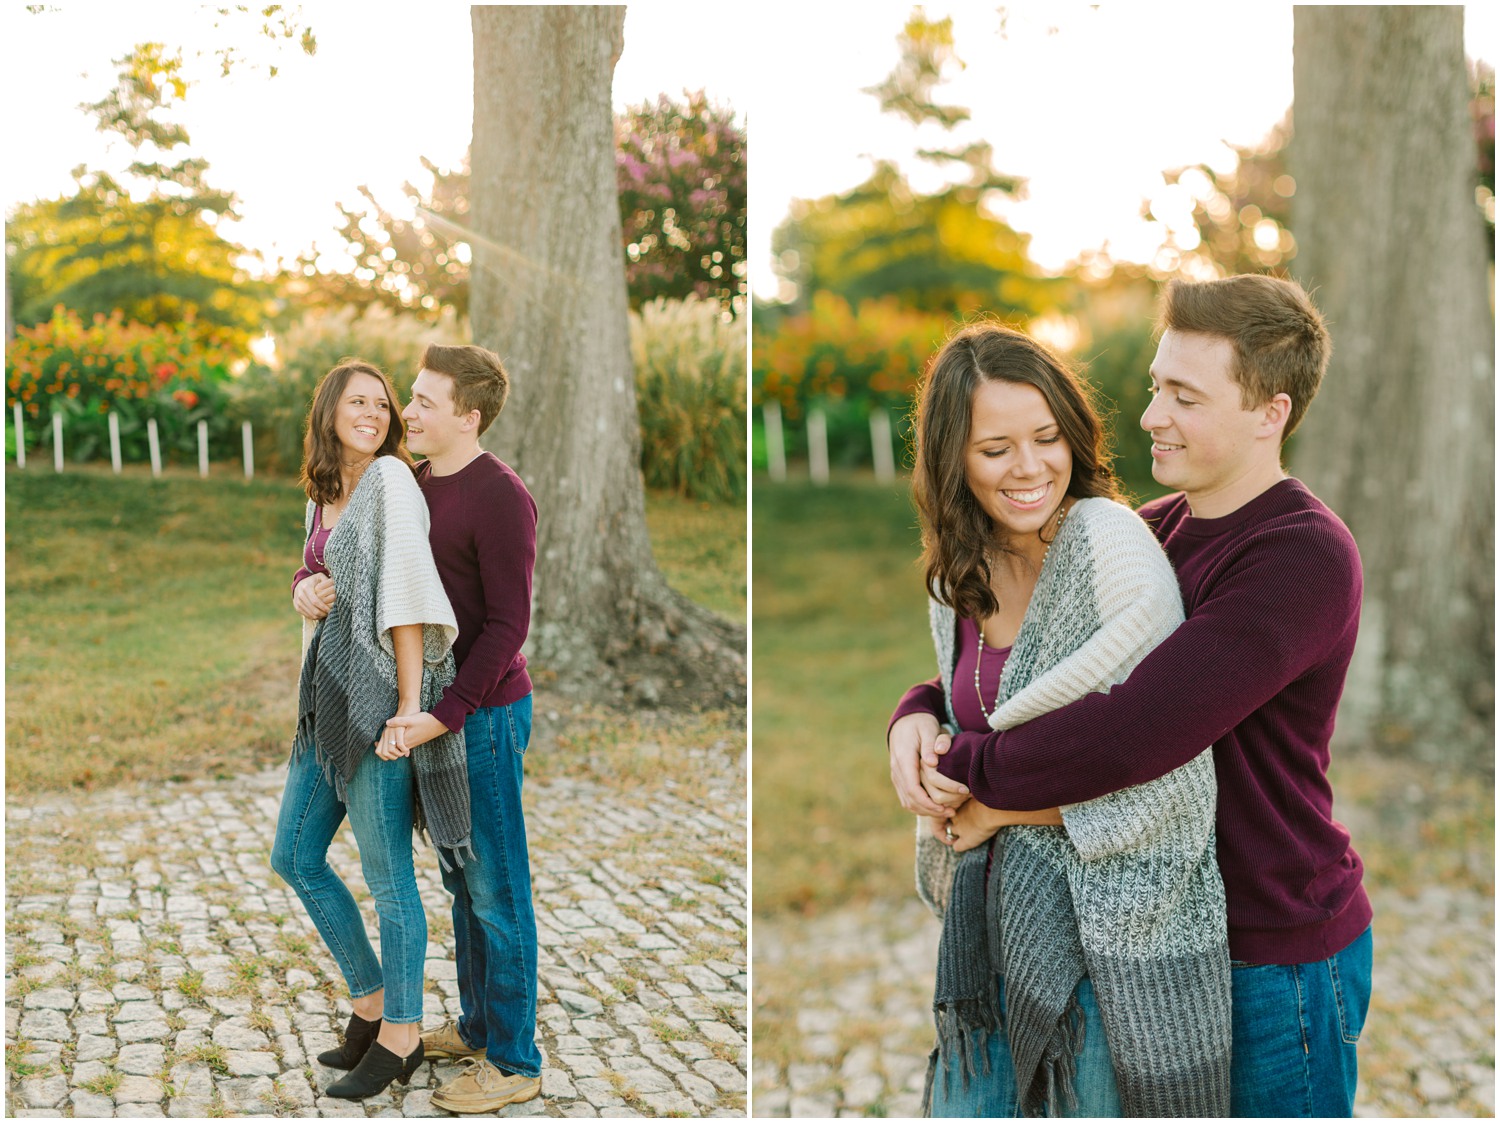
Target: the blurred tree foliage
pixel 419 264
pixel 1482 108
pixel 682 182
pixel 883 272
pixel 926 51
pixel 1242 216
pixel 1113 312
pixel 147 245
pixel 941 252
pixel 680 169
pixel 944 252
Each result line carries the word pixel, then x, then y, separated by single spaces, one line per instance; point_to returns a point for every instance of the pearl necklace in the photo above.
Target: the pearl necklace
pixel 1062 511
pixel 318 521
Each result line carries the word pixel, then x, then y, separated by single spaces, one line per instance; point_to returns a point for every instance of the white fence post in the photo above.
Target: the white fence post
pixel 114 441
pixel 880 444
pixel 57 450
pixel 203 449
pixel 817 446
pixel 249 443
pixel 20 438
pixel 775 441
pixel 155 442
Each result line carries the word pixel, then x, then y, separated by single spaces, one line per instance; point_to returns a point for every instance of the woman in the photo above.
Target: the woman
pixel 380 647
pixel 1107 967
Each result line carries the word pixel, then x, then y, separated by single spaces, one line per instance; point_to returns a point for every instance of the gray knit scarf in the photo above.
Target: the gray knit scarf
pixel 1140 912
pixel 348 685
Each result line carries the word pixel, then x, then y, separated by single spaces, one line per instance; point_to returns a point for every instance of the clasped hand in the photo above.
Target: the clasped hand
pixel 956 820
pixel 404 732
pixel 313 596
pixel 916 742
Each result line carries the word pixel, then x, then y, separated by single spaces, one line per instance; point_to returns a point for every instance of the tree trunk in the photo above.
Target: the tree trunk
pixel 1401 440
pixel 548 295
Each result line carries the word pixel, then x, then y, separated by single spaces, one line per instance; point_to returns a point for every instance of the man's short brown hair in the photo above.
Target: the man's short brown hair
pixel 479 380
pixel 1280 343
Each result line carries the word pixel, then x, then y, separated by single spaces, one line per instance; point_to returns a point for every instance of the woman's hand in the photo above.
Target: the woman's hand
pixel 391 745
pixel 414 729
pixel 974 824
pixel 313 596
pixel 913 738
pixel 406 639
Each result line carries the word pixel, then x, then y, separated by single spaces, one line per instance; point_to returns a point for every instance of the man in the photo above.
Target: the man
pixel 1271 581
pixel 484 543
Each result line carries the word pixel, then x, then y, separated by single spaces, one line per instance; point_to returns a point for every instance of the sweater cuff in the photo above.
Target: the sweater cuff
pixel 954 764
pixel 924 698
pixel 451 711
pixel 302 573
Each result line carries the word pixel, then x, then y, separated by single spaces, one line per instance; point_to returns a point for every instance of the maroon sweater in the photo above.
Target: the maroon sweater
pixel 484 542
pixel 1272 593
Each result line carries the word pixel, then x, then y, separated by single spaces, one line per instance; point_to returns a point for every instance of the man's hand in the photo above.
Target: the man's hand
pixel 408 731
pixel 941 790
pixel 912 738
pixel 313 596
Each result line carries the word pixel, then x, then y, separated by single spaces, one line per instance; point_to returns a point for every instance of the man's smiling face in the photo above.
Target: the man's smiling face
pixel 432 426
pixel 1202 436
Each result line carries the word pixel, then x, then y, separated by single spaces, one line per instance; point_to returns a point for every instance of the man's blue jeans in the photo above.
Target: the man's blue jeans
pixel 993 1096
pixel 1296 1034
pixel 494 927
pixel 380 811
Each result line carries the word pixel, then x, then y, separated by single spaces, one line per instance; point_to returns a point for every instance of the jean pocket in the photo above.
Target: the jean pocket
pixel 518 724
pixel 1350 1004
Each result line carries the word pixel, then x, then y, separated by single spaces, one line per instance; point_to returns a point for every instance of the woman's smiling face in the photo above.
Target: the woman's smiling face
pixel 1017 462
pixel 363 416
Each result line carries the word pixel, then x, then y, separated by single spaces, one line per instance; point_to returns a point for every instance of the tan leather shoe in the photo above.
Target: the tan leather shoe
pixel 445 1043
pixel 482 1087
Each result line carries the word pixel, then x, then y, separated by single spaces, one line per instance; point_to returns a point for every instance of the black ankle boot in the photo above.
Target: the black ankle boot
pixel 374 1073
pixel 357 1041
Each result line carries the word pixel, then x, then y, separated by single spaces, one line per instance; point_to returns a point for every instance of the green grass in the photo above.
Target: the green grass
pixel 149 631
pixel 700 547
pixel 840 632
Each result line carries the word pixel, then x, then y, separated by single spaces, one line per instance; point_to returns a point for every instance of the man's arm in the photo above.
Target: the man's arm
pixel 1261 628
pixel 923 698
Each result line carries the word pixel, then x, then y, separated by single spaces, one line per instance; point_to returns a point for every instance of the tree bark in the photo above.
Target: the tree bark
pixel 1401 440
pixel 548 295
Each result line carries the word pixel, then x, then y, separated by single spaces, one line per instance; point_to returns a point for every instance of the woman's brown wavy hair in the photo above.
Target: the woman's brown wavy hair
pixel 321 476
pixel 958 537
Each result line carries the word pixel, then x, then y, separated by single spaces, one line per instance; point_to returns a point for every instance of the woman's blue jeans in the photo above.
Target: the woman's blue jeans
pixel 494 927
pixel 1296 1035
pixel 380 811
pixel 993 1096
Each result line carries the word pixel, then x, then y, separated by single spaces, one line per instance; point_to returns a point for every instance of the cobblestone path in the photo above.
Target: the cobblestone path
pixel 155 966
pixel 843 1023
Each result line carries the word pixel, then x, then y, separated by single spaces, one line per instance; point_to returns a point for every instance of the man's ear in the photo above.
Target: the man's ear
pixel 470 421
pixel 1274 416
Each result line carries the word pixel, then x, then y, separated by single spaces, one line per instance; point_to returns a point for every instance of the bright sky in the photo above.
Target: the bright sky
pixel 390 83
pixel 1089 102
